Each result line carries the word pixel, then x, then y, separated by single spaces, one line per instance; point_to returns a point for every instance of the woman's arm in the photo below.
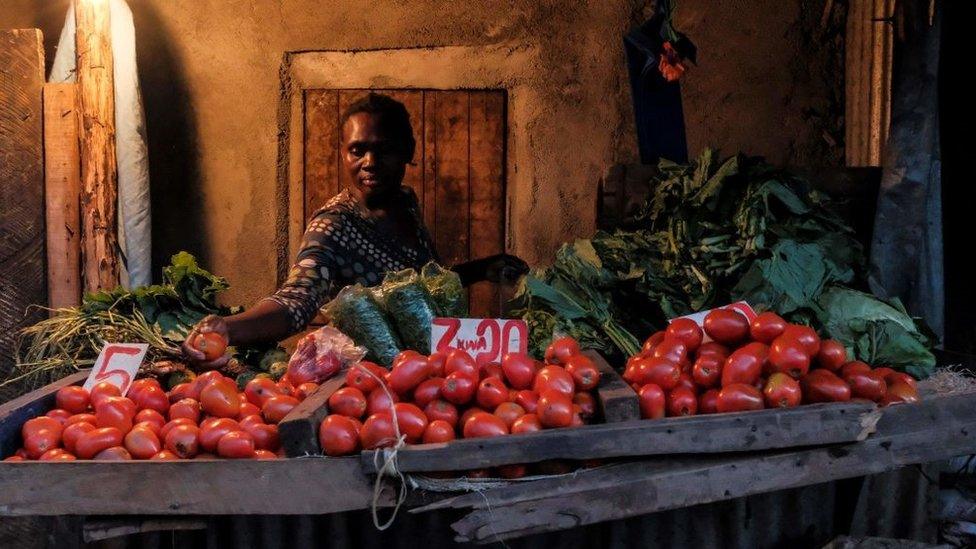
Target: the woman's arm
pixel 501 268
pixel 266 321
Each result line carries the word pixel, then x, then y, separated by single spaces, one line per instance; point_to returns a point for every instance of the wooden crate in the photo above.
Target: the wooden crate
pixel 616 402
pixel 192 487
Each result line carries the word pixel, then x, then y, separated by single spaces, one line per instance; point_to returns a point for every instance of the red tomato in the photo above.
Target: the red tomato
pixel 584 372
pixel 60 415
pixel 586 403
pixel 881 372
pixel 867 385
pixel 115 412
pixel 182 440
pixel 247 409
pixel 142 443
pixel 115 453
pixel 377 431
pixel 37 424
pixel 140 384
pixel 260 389
pixel 150 416
pixel 41 441
pixel 766 327
pixel 181 391
pixel 438 431
pixel 527 399
pixel 681 401
pixel 93 442
pixel 460 361
pixel 788 356
pixel 221 399
pixel 738 397
pixel 147 425
pixel 459 387
pixel 782 391
pixel 236 445
pixel 57 454
pixel 855 366
pixel 174 423
pixel 408 371
pixel 442 410
pixel 186 408
pixel 554 378
pixel 410 420
pixel 468 414
pixel 164 455
pixel 708 402
pixel 659 371
pixel 338 436
pixel 529 423
pixel 364 376
pixel 560 350
pixel 674 350
pixel 652 401
pixel 807 337
pixel 266 436
pixel 726 326
pixel 205 379
pixel 379 400
pixel 903 378
pixel 435 364
pixel 832 355
pixel 483 424
pixel 686 381
pixel 707 371
pixel 519 370
pixel 686 331
pixel 71 433
pixel 898 392
pixel 212 429
pixel 14 458
pixel 277 407
pixel 348 401
pixel 81 418
pixel 102 390
pixel 491 369
pixel 824 386
pixel 555 409
pixel 512 471
pixel 264 454
pixel 713 348
pixel 305 390
pixel 509 412
pixel 73 398
pixel 211 344
pixel 745 364
pixel 428 391
pixel 651 343
pixel 491 393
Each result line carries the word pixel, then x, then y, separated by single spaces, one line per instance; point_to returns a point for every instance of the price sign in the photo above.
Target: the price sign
pixel 117 364
pixel 740 306
pixel 485 339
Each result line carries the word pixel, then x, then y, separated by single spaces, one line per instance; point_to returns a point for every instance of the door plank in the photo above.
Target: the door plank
pixel 451 220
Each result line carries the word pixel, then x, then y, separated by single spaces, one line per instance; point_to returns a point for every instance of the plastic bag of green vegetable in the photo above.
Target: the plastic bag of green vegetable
pixel 406 301
pixel 444 286
pixel 356 313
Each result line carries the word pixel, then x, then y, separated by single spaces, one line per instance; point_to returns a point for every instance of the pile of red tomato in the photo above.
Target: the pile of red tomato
pixel 444 396
pixel 768 363
pixel 205 418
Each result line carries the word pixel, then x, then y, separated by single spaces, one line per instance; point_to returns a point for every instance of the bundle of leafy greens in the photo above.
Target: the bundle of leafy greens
pixel 405 298
pixel 356 312
pixel 713 232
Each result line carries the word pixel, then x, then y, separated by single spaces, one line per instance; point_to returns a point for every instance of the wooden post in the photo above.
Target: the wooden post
pixel 868 80
pixel 99 171
pixel 62 182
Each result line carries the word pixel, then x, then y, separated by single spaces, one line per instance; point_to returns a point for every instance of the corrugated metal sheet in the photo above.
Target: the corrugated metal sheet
pixel 889 505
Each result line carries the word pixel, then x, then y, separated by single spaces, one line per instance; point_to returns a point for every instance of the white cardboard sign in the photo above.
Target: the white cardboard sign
pixel 117 363
pixel 485 339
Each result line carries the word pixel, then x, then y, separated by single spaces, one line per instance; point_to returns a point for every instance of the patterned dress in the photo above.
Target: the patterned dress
pixel 342 246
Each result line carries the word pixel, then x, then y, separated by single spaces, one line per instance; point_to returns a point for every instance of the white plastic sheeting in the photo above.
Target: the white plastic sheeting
pixel 135 223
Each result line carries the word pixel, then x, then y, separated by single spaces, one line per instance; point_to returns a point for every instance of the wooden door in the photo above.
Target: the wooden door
pixel 458 171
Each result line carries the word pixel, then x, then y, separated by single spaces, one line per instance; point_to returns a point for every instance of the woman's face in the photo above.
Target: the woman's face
pixel 375 162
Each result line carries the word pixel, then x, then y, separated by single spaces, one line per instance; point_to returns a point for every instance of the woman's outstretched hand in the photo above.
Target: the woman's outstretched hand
pixel 209 324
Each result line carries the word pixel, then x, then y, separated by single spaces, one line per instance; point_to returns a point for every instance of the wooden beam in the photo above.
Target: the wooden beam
pixel 62 186
pixel 22 280
pixel 99 169
pixel 868 60
pixel 616 400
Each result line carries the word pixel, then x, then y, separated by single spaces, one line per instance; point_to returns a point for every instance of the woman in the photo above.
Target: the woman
pixel 369 229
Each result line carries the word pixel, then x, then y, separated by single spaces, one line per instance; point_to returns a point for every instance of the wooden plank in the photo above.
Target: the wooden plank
pixel 940 428
pixel 99 169
pixel 487 184
pixel 429 149
pixel 107 529
pixel 62 185
pixel 22 279
pixel 321 149
pixel 15 413
pixel 452 191
pixel 299 430
pixel 616 400
pixel 812 425
pixel 300 486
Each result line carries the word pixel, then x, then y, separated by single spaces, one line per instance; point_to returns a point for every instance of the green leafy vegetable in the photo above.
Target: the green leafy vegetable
pixel 356 312
pixel 444 286
pixel 405 299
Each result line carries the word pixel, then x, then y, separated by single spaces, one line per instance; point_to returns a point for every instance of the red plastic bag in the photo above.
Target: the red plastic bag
pixel 321 355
